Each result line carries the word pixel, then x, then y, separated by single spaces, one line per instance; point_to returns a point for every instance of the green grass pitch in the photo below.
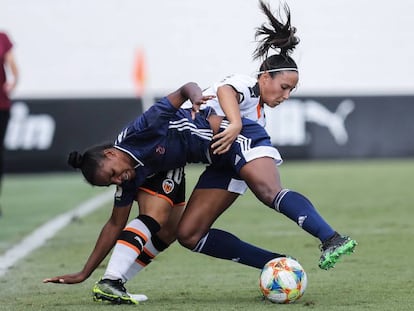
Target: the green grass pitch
pixel 372 201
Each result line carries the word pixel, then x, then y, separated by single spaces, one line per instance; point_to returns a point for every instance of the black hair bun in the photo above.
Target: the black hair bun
pixel 75 159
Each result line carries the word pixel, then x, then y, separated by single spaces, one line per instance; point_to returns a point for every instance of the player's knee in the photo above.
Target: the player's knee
pixel 266 193
pixel 187 238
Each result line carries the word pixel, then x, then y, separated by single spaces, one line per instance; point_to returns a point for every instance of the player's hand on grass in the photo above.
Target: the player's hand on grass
pixel 223 140
pixel 67 279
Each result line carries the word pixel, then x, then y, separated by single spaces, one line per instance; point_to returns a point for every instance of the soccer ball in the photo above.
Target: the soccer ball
pixel 282 280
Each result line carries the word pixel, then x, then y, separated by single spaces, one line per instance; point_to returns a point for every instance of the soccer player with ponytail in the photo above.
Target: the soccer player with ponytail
pixel 241 96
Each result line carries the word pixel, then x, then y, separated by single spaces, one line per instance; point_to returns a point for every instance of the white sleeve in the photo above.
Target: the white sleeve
pixel 240 83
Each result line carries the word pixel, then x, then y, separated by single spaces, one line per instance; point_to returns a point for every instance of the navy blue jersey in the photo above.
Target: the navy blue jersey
pixel 165 138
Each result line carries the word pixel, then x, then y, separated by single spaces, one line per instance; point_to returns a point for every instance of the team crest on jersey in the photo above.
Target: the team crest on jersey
pixel 160 149
pixel 167 186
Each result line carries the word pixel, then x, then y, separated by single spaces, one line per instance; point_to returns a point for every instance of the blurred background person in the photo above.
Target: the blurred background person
pixel 8 81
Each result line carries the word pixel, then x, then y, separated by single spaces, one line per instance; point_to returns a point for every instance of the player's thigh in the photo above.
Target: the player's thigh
pixel 203 208
pixel 262 177
pixel 154 206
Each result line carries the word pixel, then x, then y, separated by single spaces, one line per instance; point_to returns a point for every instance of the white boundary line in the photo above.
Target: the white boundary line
pixel 38 237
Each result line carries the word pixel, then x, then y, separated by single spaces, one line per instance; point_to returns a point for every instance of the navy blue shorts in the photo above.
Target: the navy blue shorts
pixel 224 178
pixel 223 173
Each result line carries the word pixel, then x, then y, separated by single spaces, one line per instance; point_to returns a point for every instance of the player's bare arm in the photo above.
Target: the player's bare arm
pixel 104 244
pixel 229 102
pixel 189 91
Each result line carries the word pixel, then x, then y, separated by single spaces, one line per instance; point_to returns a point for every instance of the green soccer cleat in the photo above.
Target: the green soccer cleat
pixel 112 291
pixel 333 248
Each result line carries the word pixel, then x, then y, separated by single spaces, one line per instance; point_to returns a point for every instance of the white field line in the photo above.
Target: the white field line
pixel 38 237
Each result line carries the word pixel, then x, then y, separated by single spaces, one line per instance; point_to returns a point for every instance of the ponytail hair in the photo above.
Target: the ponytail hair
pixel 89 162
pixel 277 36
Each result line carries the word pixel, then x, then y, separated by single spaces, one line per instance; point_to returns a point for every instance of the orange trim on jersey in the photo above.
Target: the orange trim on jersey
pixel 137 232
pixel 259 111
pixel 129 245
pixel 157 195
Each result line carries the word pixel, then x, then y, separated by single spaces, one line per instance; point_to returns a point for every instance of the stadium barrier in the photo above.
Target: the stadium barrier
pixel 343 127
pixel 42 132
